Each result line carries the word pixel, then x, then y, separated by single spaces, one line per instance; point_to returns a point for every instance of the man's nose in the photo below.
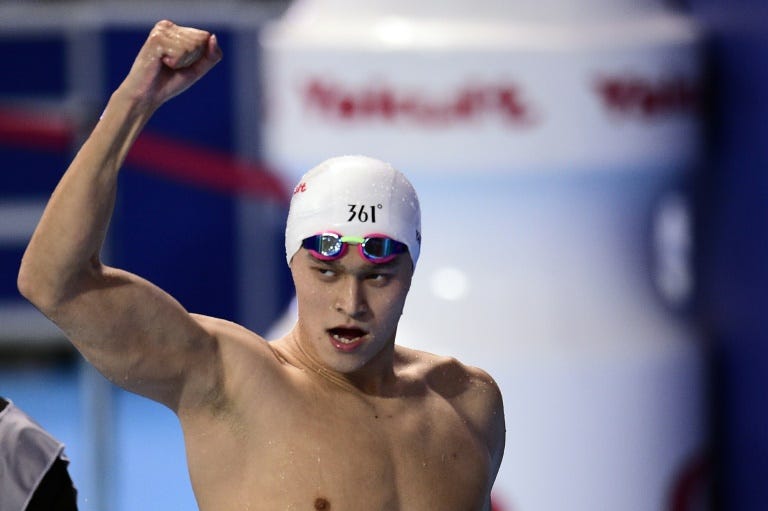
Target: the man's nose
pixel 351 299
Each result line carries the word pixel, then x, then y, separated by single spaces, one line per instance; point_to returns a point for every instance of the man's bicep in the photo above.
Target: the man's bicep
pixel 135 333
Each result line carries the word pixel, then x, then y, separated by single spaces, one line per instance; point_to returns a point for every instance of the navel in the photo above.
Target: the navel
pixel 322 504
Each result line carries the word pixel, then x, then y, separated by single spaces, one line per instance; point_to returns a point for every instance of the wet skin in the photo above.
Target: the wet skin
pixel 333 416
pixel 313 426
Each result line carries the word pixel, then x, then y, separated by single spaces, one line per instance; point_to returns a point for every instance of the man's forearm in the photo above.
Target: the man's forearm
pixel 64 250
pixel 62 258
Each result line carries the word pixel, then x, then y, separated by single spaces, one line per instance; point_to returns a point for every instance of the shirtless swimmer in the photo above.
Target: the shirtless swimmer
pixel 335 415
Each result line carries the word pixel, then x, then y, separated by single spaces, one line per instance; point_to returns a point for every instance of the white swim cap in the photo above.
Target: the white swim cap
pixel 354 196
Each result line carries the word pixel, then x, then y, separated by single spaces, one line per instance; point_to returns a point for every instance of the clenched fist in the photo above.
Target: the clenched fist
pixel 172 58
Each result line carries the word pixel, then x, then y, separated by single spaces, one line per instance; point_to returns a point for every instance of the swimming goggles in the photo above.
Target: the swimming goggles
pixel 376 248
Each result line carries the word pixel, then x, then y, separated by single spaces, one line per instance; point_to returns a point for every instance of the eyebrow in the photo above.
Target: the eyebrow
pixel 388 264
pixel 315 260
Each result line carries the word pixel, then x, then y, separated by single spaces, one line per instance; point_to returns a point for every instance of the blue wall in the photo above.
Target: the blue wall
pixel 733 247
pixel 174 229
pixel 190 229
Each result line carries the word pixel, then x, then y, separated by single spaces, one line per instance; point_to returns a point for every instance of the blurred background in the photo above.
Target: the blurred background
pixel 595 217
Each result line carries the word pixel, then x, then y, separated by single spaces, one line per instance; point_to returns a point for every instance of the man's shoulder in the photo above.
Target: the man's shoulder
pixel 445 375
pixel 237 345
pixel 228 332
pixel 246 368
pixel 471 392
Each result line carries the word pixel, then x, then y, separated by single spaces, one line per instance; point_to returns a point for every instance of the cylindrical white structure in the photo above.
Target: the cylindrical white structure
pixel 540 139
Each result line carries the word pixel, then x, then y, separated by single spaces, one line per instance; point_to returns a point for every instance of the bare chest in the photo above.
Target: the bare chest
pixel 350 454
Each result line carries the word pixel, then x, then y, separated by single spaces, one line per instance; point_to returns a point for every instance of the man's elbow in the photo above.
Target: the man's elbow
pixel 37 288
pixel 29 284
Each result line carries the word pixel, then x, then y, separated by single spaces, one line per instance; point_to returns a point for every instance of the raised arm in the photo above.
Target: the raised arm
pixel 130 330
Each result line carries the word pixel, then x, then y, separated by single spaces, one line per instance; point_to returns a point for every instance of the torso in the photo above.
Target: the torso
pixel 290 439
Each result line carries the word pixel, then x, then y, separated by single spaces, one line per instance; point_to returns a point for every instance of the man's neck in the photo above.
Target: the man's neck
pixel 376 378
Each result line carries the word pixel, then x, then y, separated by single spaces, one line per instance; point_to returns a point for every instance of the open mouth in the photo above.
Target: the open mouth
pixel 345 338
